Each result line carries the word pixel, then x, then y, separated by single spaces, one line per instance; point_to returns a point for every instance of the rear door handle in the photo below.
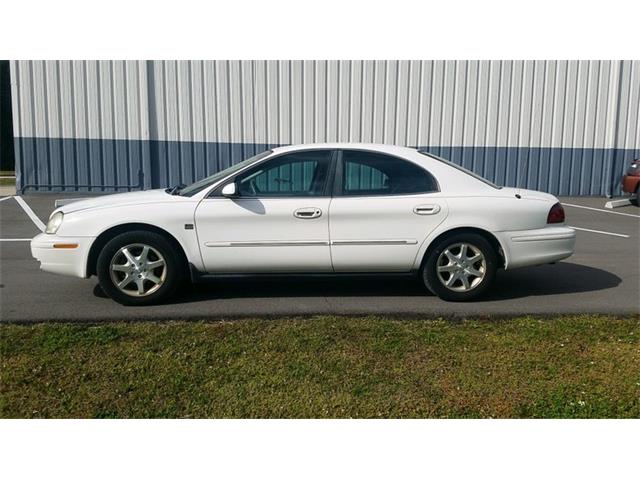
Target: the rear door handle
pixel 307 212
pixel 426 209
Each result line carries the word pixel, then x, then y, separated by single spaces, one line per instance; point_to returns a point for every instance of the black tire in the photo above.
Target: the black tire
pixel 636 201
pixel 160 249
pixel 432 280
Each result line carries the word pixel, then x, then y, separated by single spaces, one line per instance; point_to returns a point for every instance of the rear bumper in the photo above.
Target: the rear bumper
pixel 630 183
pixel 536 247
pixel 64 261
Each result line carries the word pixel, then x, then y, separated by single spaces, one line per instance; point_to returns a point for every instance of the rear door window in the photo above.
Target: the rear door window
pixel 368 173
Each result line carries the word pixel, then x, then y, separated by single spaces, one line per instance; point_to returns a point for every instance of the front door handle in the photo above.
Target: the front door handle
pixel 308 212
pixel 426 209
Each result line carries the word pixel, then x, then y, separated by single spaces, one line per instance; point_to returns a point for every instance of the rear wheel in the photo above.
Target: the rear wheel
pixel 139 268
pixel 460 267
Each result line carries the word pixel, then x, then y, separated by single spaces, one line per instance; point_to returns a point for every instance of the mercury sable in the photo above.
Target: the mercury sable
pixel 321 208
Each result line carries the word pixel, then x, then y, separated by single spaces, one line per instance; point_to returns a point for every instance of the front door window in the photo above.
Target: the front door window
pixel 299 174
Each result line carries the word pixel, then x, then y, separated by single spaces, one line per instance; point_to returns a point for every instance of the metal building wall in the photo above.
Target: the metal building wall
pixel 567 127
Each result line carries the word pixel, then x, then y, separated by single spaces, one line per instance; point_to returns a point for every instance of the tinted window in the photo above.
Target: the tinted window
pixel 368 173
pixel 461 168
pixel 293 174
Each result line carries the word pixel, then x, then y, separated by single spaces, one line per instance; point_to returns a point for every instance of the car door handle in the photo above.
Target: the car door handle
pixel 426 209
pixel 308 212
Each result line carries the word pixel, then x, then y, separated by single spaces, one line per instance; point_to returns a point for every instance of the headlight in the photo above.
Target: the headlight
pixel 54 222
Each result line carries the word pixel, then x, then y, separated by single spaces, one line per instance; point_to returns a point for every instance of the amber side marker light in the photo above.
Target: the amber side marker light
pixel 65 245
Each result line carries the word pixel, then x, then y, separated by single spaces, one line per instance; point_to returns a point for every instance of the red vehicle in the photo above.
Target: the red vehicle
pixel 631 180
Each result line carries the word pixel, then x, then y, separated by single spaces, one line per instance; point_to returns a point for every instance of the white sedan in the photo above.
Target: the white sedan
pixel 318 208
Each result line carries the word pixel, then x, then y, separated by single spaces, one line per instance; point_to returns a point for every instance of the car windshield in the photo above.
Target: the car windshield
pixel 461 168
pixel 205 182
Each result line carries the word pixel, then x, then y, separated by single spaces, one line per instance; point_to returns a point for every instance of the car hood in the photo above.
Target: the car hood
pixel 118 199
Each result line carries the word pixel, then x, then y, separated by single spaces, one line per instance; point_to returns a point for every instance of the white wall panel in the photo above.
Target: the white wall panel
pixel 444 103
pixel 578 105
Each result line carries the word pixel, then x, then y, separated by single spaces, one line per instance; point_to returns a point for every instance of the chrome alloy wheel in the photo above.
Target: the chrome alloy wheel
pixel 461 267
pixel 138 270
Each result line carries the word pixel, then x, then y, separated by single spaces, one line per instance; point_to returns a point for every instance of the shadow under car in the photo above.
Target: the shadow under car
pixel 561 278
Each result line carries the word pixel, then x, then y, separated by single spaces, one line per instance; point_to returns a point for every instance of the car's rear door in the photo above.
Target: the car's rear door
pixel 277 223
pixel 383 209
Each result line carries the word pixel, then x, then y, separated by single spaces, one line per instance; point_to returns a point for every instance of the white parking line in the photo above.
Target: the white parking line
pixel 15 239
pixel 4 198
pixel 601 232
pixel 27 209
pixel 600 210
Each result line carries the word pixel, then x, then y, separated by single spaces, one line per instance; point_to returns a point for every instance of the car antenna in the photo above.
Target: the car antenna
pixel 523 172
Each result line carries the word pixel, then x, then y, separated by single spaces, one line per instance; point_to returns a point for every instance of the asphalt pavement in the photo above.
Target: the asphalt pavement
pixel 601 277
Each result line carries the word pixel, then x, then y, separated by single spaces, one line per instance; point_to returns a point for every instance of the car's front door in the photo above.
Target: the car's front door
pixel 278 222
pixel 383 209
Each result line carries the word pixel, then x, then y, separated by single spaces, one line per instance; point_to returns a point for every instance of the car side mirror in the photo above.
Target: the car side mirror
pixel 229 190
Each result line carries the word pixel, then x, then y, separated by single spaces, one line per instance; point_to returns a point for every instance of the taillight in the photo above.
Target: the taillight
pixel 556 214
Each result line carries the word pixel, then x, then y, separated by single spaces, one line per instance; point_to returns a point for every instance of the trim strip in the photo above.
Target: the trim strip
pixel 276 243
pixel 539 238
pixel 374 242
pixel 309 243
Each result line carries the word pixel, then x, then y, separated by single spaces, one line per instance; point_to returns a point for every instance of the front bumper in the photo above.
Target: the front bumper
pixel 64 261
pixel 536 247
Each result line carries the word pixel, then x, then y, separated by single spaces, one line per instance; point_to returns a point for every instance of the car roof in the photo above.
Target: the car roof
pixel 376 147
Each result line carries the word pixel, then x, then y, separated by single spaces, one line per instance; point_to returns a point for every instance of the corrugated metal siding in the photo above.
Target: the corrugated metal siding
pixel 568 127
pixel 69 116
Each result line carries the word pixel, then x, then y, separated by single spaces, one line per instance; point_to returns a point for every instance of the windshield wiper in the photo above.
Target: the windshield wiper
pixel 175 190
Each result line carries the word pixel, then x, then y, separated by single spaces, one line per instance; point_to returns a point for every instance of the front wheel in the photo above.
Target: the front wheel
pixel 460 267
pixel 139 268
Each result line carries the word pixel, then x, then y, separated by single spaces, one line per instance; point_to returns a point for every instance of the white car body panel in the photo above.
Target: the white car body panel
pixel 263 235
pixel 92 217
pixel 535 247
pixel 382 234
pixel 70 262
pixel 352 234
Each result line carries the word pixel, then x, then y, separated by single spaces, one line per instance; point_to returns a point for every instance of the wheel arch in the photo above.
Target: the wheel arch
pixel 490 237
pixel 104 237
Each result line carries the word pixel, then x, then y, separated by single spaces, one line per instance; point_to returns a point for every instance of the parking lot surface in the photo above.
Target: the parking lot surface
pixel 601 277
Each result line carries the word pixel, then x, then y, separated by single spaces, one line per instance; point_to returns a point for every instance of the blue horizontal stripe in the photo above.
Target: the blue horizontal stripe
pixel 120 165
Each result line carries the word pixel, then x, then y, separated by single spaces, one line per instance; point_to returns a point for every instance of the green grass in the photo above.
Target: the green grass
pixel 7 181
pixel 574 366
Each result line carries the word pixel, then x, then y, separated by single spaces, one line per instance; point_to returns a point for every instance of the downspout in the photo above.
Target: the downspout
pixel 614 137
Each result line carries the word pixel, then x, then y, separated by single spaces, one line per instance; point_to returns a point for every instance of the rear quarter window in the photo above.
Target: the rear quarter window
pixel 461 168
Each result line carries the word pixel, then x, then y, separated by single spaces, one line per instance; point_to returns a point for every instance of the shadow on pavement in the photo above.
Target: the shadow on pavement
pixel 562 278
pixel 555 279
